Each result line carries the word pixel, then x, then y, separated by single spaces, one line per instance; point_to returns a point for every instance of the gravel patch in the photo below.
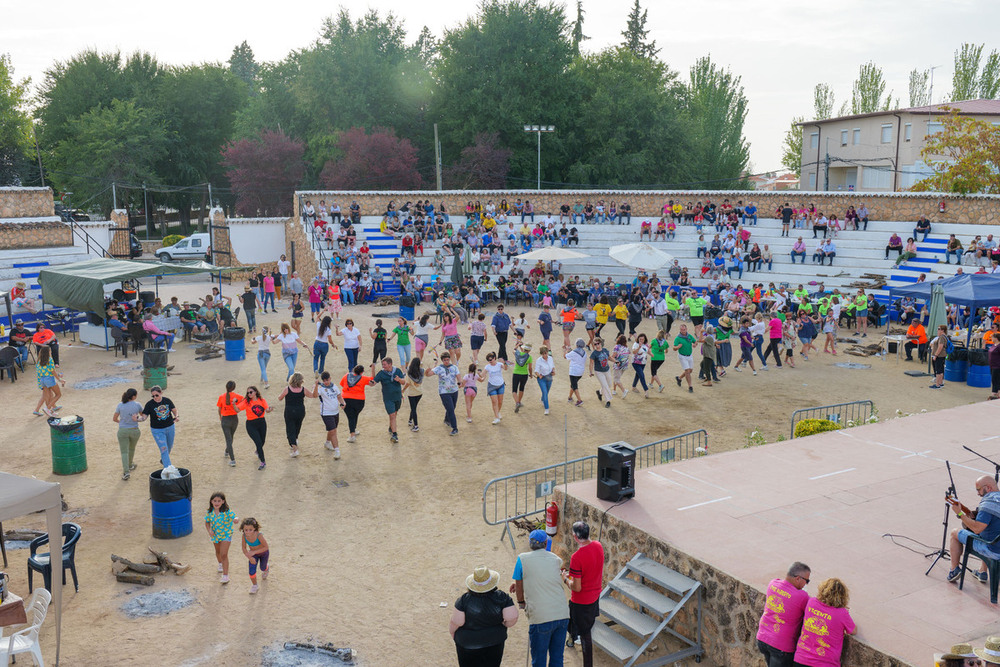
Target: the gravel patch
pixel 160 603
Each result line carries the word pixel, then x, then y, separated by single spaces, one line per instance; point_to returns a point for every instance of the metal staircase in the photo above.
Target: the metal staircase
pixel 650 613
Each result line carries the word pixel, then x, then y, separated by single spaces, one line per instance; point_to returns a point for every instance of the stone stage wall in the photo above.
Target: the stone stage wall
pixel 973 209
pixel 731 608
pixel 26 202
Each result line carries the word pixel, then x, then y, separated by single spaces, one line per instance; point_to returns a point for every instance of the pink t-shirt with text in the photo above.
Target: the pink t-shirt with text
pixel 782 618
pixel 822 635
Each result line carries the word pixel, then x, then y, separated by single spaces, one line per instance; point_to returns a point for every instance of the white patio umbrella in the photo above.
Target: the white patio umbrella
pixel 640 256
pixel 550 253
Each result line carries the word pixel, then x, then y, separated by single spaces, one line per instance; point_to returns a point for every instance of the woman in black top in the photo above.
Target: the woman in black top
pixel 480 620
pixel 635 312
pixel 295 409
pixel 162 415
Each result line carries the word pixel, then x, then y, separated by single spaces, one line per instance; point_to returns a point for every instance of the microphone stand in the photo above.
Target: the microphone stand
pixel 943 551
pixel 996 466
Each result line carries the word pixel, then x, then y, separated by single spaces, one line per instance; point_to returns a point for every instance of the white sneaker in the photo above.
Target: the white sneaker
pixel 546 411
pixel 254 589
pixel 755 372
pixel 295 454
pixel 351 438
pixel 220 567
pixel 496 421
pixel 329 445
pixel 468 420
pixel 737 369
pixel 336 453
pixel 624 393
pixel 224 579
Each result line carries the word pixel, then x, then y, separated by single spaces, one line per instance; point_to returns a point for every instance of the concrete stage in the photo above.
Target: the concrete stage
pixel 829 500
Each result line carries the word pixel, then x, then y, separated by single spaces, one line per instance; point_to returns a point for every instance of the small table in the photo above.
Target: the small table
pixel 12 611
pixel 899 340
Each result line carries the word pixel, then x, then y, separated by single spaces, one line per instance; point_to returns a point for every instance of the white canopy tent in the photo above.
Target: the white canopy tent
pixel 23 495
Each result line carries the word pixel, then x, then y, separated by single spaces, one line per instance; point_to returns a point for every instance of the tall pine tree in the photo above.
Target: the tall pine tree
pixel 578 35
pixel 636 34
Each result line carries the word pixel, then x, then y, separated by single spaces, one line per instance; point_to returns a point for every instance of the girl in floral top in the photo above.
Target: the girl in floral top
pixel 619 358
pixel 219 522
pixel 48 376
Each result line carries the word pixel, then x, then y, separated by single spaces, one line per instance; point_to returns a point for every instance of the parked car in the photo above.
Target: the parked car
pixel 192 247
pixel 135 246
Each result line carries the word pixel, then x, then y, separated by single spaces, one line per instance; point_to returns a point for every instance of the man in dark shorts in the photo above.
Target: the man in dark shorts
pixel 392 381
pixel 786 218
pixel 584 579
pixel 939 352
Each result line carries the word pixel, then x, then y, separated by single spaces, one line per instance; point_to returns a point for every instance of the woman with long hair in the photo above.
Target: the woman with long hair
pixel 49 379
pixel 294 396
pixel 353 385
pixel 255 407
pixel 640 353
pixel 413 389
pixel 127 415
pixel 619 360
pixel 289 347
pixel 492 372
pixel 545 370
pixel 229 417
pixel 352 342
pixel 449 336
pixel 421 335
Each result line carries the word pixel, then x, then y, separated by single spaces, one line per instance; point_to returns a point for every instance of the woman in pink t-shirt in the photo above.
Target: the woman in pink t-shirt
pixel 825 622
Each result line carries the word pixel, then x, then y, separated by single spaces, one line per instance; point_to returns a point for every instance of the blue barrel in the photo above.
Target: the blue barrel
pixel 407 308
pixel 956 371
pixel 235 343
pixel 171 505
pixel 979 376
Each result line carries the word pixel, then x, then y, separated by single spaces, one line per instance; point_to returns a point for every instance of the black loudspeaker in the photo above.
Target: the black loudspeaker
pixel 615 472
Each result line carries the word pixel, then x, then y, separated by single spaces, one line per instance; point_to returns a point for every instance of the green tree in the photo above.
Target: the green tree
pixel 919 93
pixel 120 143
pixel 717 107
pixel 631 134
pixel 823 102
pixel 15 125
pixel 969 81
pixel 791 147
pixel 578 35
pixel 504 67
pixel 243 65
pixel 965 157
pixel 636 34
pixel 869 93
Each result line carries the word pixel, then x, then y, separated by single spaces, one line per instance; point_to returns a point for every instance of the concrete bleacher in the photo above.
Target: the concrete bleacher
pixel 24 265
pixel 858 253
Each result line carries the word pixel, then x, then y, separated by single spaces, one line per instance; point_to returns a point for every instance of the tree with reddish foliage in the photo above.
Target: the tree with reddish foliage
pixel 483 166
pixel 264 173
pixel 376 161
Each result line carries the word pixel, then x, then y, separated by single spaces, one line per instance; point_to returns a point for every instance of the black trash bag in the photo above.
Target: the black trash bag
pixel 712 312
pixel 979 357
pixel 234 333
pixel 154 357
pixel 959 354
pixel 406 301
pixel 66 428
pixel 170 490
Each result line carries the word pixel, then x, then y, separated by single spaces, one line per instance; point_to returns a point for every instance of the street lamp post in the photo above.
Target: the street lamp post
pixel 538 129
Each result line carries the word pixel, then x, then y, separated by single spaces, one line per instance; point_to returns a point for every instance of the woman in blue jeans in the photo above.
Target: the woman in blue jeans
pixel 545 369
pixel 322 344
pixel 264 342
pixel 162 416
pixel 289 347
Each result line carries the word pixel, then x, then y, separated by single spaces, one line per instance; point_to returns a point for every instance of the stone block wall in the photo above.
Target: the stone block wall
pixel 973 209
pixel 120 243
pixel 305 258
pixel 26 203
pixel 731 608
pixel 222 248
pixel 16 235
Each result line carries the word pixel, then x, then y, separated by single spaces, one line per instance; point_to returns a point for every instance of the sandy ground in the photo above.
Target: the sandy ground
pixel 365 565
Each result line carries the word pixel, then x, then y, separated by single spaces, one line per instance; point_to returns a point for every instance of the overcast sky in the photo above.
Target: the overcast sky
pixel 781 49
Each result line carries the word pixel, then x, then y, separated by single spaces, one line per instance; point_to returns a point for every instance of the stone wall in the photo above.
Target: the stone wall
pixel 974 209
pixel 222 249
pixel 14 235
pixel 121 246
pixel 731 608
pixel 26 203
pixel 305 258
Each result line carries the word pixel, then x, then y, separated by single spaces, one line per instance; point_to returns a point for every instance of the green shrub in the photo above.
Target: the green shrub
pixel 172 239
pixel 811 426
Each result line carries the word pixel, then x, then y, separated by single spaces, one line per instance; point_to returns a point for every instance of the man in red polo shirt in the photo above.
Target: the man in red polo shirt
pixel 585 580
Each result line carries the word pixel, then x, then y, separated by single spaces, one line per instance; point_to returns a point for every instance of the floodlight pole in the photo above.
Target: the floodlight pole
pixel 538 129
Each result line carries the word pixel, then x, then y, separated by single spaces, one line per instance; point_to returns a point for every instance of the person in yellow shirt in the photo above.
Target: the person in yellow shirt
pixel 620 312
pixel 603 310
pixel 489 223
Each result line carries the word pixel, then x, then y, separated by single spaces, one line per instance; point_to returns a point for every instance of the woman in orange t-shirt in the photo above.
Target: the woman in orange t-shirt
pixel 229 417
pixel 354 384
pixel 256 407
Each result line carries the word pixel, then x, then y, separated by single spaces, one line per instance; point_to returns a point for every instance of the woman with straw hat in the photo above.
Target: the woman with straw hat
pixel 480 620
pixel 990 654
pixel 960 655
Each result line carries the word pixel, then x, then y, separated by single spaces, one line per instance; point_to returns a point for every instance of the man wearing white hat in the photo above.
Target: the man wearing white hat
pixel 990 654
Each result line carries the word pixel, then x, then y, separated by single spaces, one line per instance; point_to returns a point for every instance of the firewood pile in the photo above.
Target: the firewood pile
pixel 869 350
pixel 155 562
pixel 870 281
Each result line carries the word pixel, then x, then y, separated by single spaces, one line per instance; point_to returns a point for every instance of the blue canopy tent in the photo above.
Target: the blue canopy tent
pixel 973 290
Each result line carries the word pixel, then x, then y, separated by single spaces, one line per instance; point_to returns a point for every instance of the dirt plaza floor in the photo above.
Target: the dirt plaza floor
pixel 364 550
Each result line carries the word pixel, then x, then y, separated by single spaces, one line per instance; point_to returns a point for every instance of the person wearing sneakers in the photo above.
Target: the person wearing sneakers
pixel 577 358
pixel 523 368
pixel 861 306
pixel 939 353
pixel 658 354
pixel 684 345
pixel 585 579
pixel 256 549
pixel 779 626
pixel 984 522
pixel 600 365
pixel 448 386
pixel 539 593
pixel 331 399
pixel 392 382
pixel 545 373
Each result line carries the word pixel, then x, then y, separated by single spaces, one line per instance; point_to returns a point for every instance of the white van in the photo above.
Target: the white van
pixel 192 247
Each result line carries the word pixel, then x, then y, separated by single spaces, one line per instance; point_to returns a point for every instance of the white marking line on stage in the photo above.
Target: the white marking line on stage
pixel 707 502
pixel 668 481
pixel 992 437
pixel 923 453
pixel 678 472
pixel 831 474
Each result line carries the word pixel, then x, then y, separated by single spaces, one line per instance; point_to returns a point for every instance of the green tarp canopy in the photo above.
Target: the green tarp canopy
pixel 80 286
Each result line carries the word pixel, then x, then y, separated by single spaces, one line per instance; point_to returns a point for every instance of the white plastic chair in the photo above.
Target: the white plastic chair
pixel 26 639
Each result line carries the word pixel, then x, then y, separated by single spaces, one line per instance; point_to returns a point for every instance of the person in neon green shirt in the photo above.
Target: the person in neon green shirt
pixel 696 308
pixel 805 306
pixel 684 344
pixel 861 304
pixel 658 354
